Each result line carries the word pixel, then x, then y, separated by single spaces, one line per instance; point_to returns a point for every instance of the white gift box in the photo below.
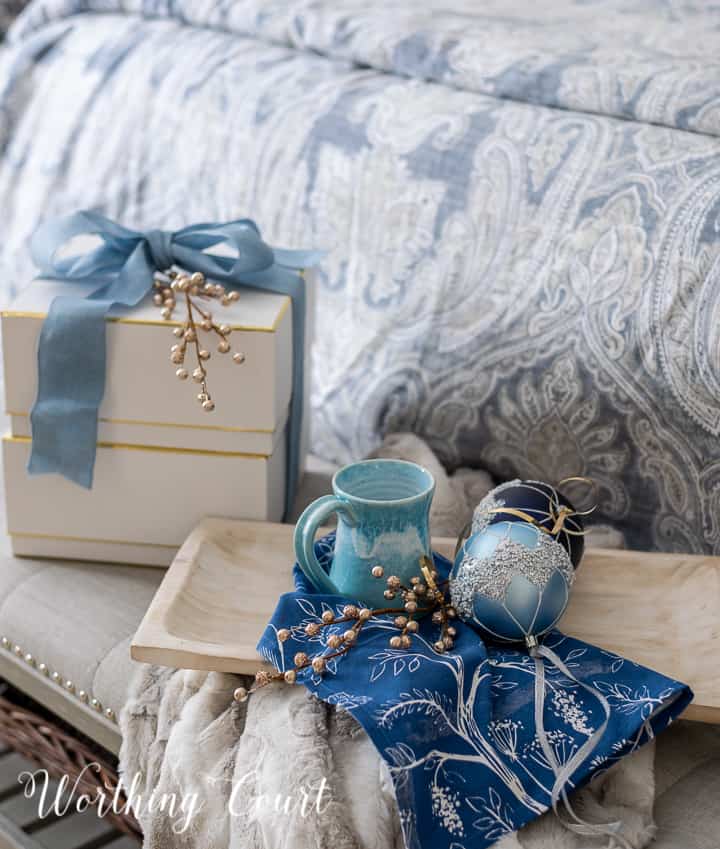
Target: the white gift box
pixel 163 463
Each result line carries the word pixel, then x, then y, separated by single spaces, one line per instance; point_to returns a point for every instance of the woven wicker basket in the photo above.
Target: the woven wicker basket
pixel 42 740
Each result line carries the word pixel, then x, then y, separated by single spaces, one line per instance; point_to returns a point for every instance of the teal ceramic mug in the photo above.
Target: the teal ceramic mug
pixel 383 511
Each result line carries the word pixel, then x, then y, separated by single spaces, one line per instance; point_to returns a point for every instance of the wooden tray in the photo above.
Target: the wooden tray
pixel 662 610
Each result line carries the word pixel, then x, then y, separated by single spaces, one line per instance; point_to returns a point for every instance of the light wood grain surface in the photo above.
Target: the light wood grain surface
pixel 662 610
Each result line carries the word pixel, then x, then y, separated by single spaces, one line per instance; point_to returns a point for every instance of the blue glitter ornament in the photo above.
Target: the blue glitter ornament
pixel 538 502
pixel 511 581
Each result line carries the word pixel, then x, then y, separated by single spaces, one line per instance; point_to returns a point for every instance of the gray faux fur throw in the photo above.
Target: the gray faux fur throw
pixel 286 771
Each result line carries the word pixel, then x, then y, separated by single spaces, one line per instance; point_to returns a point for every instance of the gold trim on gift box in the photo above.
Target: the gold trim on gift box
pixel 92 540
pixel 126 446
pixel 165 424
pixel 161 322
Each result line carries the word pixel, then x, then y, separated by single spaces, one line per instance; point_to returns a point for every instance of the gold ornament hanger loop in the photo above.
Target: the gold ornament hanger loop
pixel 593 489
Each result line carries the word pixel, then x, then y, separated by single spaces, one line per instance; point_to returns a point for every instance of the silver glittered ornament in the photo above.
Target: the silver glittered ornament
pixel 511 581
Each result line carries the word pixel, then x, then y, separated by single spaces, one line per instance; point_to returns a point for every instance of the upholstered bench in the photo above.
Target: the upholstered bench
pixel 66 629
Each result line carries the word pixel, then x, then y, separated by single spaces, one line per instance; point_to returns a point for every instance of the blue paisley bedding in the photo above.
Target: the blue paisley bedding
pixel 521 206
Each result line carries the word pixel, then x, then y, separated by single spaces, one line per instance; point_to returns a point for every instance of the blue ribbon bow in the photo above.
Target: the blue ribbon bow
pixel 71 353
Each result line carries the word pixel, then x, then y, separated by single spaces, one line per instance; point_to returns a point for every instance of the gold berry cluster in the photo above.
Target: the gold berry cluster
pixel 193 290
pixel 423 596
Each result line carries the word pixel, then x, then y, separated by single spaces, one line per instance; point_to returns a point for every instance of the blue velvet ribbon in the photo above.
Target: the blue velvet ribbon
pixel 71 352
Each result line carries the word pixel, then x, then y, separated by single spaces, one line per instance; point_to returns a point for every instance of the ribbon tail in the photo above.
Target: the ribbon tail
pixel 71 385
pixel 299 377
pixel 71 373
pixel 564 773
pixel 284 281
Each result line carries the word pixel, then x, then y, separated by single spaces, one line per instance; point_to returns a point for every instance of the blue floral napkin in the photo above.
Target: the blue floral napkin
pixel 457 730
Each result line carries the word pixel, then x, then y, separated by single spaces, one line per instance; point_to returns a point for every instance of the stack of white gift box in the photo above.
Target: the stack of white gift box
pixel 162 463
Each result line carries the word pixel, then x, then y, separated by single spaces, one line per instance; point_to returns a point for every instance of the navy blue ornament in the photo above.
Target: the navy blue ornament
pixel 511 581
pixel 538 502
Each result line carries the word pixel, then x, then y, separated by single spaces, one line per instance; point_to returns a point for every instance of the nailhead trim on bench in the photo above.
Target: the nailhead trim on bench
pixel 58 679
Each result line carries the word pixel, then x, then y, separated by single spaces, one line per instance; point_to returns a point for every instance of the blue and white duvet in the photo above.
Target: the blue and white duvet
pixel 521 208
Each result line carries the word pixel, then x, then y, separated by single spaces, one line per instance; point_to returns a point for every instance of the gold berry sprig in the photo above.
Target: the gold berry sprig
pixel 425 592
pixel 432 595
pixel 194 289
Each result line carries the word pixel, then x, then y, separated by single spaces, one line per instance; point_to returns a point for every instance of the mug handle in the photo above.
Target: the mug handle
pixel 313 516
